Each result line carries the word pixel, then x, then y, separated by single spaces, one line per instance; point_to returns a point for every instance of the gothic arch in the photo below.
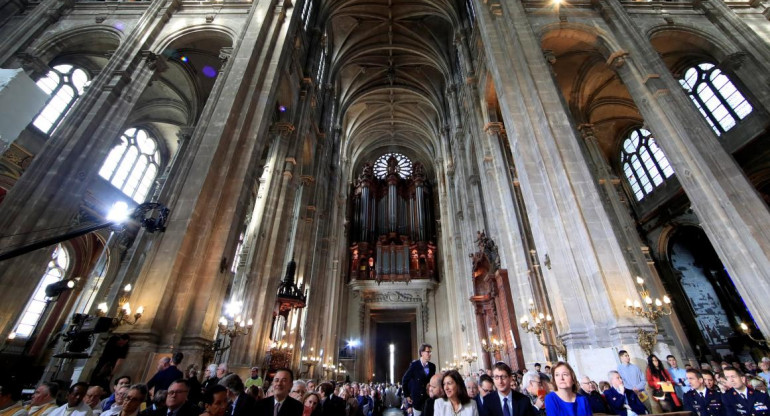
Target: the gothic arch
pixel 679 44
pixel 592 90
pixel 92 40
pixel 193 33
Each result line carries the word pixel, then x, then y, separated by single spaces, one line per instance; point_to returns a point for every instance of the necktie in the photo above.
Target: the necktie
pixel 277 408
pixel 506 411
pixel 743 395
pixel 701 394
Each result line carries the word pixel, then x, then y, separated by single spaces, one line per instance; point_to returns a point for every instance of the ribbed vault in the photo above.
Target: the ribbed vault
pixel 390 60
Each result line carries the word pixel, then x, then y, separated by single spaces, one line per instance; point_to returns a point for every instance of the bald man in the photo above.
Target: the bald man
pixel 435 392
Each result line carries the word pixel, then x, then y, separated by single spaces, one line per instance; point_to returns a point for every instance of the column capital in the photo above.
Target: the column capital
pixel 185 133
pixel 617 59
pixel 734 61
pixel 494 127
pixel 32 64
pixel 306 180
pixel 549 56
pixel 587 131
pixel 284 129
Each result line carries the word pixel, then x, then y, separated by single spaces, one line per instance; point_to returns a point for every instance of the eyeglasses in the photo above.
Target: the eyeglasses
pixel 174 392
pixel 500 377
pixel 134 399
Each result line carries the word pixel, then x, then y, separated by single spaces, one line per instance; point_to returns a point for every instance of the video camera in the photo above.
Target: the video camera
pixel 79 335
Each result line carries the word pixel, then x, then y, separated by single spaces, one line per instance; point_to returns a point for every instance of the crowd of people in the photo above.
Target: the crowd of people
pixel 714 389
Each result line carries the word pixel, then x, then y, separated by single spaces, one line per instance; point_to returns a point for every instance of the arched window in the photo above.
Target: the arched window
pixel 715 96
pixel 133 164
pixel 644 164
pixel 307 11
pixel 57 268
pixel 65 84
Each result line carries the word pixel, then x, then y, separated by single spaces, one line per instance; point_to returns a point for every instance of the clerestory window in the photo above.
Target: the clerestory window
pixel 65 84
pixel 643 163
pixel 57 269
pixel 133 164
pixel 715 96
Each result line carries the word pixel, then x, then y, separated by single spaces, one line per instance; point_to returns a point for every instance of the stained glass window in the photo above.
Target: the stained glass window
pixel 57 268
pixel 133 164
pixel 643 163
pixel 65 84
pixel 715 96
pixel 403 165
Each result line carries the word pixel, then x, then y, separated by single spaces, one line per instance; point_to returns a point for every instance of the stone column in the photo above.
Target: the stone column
pixel 563 206
pixel 636 252
pixel 732 213
pixel 188 262
pixel 734 28
pixel 261 286
pixel 42 16
pixel 42 201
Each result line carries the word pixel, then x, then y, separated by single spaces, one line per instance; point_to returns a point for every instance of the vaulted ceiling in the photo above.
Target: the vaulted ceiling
pixel 390 62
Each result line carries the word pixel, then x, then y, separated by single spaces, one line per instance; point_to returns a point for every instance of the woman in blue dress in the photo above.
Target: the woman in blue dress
pixel 565 401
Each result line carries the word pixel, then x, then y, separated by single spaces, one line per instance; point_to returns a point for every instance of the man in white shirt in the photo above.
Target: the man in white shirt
pixel 93 399
pixel 75 405
pixel 43 400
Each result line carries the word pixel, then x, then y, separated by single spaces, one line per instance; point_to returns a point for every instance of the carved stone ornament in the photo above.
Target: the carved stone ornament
pixel 395 296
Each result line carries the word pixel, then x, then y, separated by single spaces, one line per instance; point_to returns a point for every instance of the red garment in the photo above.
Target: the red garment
pixel 654 382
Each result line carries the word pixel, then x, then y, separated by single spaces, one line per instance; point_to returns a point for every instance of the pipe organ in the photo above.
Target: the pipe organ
pixel 392 231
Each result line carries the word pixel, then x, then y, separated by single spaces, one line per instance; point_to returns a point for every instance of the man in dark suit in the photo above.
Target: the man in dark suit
pixel 415 380
pixel 742 399
pixel 176 401
pixel 242 403
pixel 331 405
pixel 167 374
pixel 699 400
pixel 435 392
pixel 280 404
pixel 620 399
pixel 505 401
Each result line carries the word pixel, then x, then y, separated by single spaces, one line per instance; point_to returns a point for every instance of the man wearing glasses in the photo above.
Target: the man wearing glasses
pixel 506 401
pixel 131 402
pixel 415 380
pixel 176 400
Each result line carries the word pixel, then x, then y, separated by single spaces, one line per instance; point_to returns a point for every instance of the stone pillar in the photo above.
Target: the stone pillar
pixel 41 201
pixel 734 28
pixel 563 206
pixel 42 16
pixel 261 286
pixel 636 252
pixel 188 262
pixel 733 215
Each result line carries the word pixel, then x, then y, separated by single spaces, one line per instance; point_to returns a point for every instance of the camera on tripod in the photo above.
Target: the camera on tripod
pixel 79 335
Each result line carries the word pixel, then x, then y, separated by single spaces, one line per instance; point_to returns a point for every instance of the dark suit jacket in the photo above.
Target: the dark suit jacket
pixel 163 378
pixel 245 405
pixel 290 407
pixel 333 406
pixel 711 405
pixel 415 382
pixel 428 407
pixel 756 403
pixel 616 402
pixel 480 405
pixel 187 409
pixel 520 403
